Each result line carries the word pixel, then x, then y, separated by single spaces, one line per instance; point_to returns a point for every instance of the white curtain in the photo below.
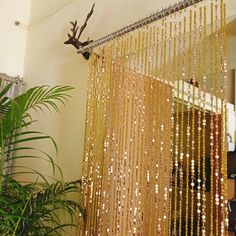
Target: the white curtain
pixel 14 91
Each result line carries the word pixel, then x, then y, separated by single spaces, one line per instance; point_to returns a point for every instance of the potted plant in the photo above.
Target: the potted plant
pixel 32 208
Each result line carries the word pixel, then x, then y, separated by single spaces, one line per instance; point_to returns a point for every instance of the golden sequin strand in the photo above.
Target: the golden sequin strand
pixel 152 113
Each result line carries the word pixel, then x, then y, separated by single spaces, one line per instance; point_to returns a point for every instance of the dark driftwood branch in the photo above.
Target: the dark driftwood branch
pixel 73 39
pixel 86 21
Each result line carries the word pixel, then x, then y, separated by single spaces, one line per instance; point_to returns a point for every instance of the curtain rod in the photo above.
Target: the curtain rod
pixel 139 24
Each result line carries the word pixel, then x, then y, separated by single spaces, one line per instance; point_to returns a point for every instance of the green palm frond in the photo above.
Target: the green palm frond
pixel 4 100
pixel 41 203
pixel 15 118
pixel 32 208
pixel 36 99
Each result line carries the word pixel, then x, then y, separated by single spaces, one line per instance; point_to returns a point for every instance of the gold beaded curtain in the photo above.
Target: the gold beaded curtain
pixel 155 142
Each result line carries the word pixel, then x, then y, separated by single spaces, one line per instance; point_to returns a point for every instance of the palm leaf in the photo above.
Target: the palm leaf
pixel 31 208
pixel 35 98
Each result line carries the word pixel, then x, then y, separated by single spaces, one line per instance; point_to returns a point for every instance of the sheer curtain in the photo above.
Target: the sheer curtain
pixel 15 90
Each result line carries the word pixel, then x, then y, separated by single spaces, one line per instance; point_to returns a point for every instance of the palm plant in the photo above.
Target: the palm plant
pixel 32 208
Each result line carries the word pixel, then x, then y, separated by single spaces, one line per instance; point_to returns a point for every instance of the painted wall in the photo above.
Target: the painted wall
pixel 50 62
pixel 13 39
pixel 232 51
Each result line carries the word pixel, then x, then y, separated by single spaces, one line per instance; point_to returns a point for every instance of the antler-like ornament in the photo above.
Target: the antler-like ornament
pixel 73 39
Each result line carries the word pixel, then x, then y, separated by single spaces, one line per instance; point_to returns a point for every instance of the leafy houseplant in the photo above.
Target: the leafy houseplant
pixel 32 208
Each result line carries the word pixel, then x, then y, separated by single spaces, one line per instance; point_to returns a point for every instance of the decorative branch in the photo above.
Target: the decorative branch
pixel 74 40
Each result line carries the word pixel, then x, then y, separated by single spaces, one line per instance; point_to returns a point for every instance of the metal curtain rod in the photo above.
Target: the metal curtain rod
pixel 138 24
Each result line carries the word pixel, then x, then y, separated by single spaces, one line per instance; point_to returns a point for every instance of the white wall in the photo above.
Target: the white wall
pixel 48 61
pixel 232 51
pixel 13 39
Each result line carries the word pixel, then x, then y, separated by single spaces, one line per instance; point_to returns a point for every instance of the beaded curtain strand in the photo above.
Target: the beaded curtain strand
pixel 155 139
